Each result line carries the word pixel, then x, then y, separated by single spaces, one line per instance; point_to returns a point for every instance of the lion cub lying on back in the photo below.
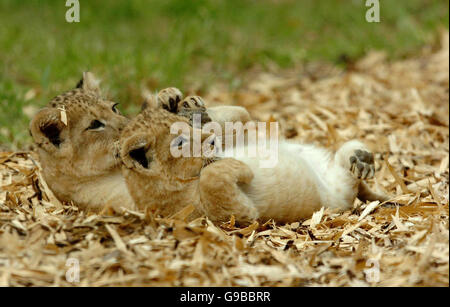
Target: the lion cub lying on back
pixel 305 178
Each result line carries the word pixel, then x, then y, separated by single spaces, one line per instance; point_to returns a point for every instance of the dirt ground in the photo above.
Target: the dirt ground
pixel 400 109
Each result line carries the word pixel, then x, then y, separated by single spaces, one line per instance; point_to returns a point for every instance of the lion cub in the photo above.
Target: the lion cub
pixel 77 142
pixel 305 178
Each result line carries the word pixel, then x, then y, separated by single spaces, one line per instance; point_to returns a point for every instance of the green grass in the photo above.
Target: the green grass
pixel 131 43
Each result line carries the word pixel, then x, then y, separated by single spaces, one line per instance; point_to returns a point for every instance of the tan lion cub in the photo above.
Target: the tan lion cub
pixel 76 137
pixel 305 178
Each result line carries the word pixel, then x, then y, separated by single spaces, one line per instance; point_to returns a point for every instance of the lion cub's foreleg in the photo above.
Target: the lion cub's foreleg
pixel 220 192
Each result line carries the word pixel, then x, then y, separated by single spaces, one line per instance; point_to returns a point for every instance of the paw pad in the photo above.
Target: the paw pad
pixel 169 98
pixel 192 102
pixel 362 164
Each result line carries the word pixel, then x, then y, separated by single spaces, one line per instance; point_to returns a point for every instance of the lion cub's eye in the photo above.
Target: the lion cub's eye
pixel 96 125
pixel 186 105
pixel 114 108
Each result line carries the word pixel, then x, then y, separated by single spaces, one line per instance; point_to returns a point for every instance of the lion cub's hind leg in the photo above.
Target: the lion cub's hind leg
pixel 355 157
pixel 359 160
pixel 220 192
pixel 362 164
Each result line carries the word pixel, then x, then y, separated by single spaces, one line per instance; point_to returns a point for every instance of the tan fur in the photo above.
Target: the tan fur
pixel 82 164
pixel 222 114
pixel 168 184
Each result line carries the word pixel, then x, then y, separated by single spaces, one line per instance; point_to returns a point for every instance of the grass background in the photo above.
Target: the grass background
pixel 186 43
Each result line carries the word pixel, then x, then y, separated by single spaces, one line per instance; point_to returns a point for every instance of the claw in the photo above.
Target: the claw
pixel 365 172
pixel 372 171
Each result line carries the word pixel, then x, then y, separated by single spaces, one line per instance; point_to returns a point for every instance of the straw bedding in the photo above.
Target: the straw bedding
pixel 400 109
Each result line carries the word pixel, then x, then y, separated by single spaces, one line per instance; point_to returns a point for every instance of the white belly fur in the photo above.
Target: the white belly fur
pixel 304 179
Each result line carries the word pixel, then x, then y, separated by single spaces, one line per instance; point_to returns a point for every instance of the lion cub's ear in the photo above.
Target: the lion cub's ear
pixel 136 152
pixel 89 83
pixel 46 129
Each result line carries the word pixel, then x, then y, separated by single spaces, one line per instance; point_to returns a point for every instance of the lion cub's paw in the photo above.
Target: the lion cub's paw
pixel 169 98
pixel 192 102
pixel 194 105
pixel 242 171
pixel 362 164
